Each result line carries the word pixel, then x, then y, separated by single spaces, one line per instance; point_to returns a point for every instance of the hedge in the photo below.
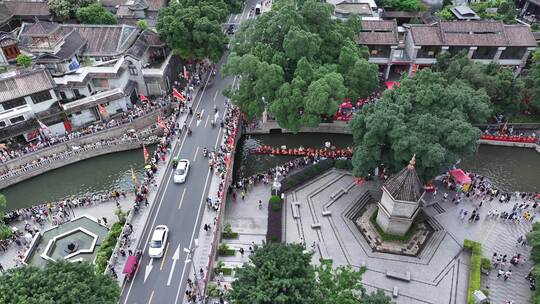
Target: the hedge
pixel 309 172
pixel 225 250
pixel 474 268
pixel 107 246
pixel 345 164
pixel 274 222
pixel 228 233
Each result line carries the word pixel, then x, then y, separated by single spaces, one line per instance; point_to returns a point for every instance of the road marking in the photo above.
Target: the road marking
pixel 217 140
pixel 196 153
pixel 175 257
pixel 206 123
pixel 166 178
pixel 215 95
pixel 151 296
pixel 148 269
pixel 199 120
pixel 182 198
pixel 164 256
pixel 195 228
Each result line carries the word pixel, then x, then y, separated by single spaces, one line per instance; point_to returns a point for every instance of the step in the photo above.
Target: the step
pixel 327 213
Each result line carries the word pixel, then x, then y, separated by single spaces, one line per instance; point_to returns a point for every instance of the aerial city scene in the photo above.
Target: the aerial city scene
pixel 269 152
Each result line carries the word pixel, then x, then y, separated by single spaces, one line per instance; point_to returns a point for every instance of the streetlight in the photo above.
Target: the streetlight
pixel 189 258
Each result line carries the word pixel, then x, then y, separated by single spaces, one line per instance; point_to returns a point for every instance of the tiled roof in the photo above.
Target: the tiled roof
pixel 155 5
pixel 5 13
pixel 146 40
pixel 41 29
pixel 472 33
pixel 378 32
pixel 73 42
pixel 106 40
pixel 405 185
pixel 28 8
pixel 23 83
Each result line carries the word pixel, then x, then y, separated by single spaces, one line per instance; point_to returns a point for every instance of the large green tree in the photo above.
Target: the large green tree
pixel 299 63
pixel 532 86
pixel 429 116
pixel 65 9
pixel 95 14
pixel 503 88
pixel 5 230
pixel 282 273
pixel 192 28
pixel 57 283
pixel 402 5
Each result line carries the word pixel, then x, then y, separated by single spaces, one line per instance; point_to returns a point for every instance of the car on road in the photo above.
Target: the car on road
pixel 158 241
pixel 181 171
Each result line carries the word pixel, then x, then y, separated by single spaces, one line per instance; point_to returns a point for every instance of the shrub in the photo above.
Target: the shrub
pixel 224 250
pixel 295 180
pixel 275 203
pixel 228 233
pixel 486 264
pixel 343 164
pixel 212 290
pixel 5 231
pixel 474 268
pixel 107 246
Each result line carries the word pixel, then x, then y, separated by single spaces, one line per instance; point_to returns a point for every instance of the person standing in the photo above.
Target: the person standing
pixel 508 274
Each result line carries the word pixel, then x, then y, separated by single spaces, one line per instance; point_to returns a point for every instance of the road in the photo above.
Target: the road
pixel 180 206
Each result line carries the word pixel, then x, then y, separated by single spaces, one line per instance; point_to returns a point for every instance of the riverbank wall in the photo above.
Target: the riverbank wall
pixel 115 132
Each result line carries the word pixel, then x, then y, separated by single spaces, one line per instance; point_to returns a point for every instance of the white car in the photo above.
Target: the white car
pixel 158 241
pixel 181 171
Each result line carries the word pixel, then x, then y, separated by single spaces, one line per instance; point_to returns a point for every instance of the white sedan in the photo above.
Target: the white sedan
pixel 158 241
pixel 181 171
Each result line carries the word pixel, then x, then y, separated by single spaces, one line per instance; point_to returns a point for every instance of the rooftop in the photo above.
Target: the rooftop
pixel 463 12
pixel 28 8
pixel 405 185
pixel 25 82
pixel 378 32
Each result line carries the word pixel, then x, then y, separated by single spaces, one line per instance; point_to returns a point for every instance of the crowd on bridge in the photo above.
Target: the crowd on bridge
pixel 12 150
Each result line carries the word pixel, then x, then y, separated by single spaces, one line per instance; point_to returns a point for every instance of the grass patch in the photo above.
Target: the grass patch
pixel 391 237
pixel 474 268
pixel 274 222
pixel 225 250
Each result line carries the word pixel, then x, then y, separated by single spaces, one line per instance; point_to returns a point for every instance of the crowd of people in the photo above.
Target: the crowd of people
pixel 13 150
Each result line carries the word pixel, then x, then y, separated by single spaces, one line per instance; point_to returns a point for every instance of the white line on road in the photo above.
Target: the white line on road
pixel 196 152
pixel 164 257
pixel 215 95
pixel 151 296
pixel 195 228
pixel 199 120
pixel 182 198
pixel 148 269
pixel 206 122
pixel 175 257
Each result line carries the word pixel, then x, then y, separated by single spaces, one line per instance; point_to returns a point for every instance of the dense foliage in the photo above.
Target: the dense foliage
pixel 506 11
pixel 299 63
pixel 502 87
pixel 474 268
pixel 192 28
pixel 65 9
pixel 532 85
pixel 282 273
pixel 402 5
pixel 5 230
pixel 533 239
pixel 428 115
pixel 24 60
pixel 58 283
pixel 107 246
pixel 95 14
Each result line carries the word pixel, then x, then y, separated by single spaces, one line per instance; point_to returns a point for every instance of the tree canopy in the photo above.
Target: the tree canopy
pixel 65 9
pixel 192 28
pixel 428 115
pixel 282 273
pixel 402 5
pixel 299 63
pixel 503 88
pixel 58 283
pixel 5 230
pixel 532 86
pixel 24 60
pixel 505 11
pixel 95 14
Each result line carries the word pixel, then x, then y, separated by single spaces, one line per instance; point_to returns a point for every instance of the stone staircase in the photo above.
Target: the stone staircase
pixel 435 240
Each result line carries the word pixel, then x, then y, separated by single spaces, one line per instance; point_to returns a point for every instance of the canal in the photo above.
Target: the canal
pixel 513 169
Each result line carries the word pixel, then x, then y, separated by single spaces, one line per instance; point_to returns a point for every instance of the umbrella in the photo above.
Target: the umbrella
pixel 147 167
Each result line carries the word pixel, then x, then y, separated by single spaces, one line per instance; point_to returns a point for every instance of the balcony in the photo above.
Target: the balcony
pixel 157 70
pixel 484 53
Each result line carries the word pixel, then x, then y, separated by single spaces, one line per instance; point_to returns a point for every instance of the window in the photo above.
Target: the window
pixel 77 93
pixel 17 119
pixel 41 96
pixel 10 104
pixel 101 82
pixel 63 95
pixel 90 88
pixel 78 113
pixel 133 70
pixel 374 52
pixel 2 124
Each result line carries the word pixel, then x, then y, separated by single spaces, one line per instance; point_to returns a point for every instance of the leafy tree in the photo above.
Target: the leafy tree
pixel 378 297
pixel 193 28
pixel 5 230
pixel 141 24
pixel 58 283
pixel 506 11
pixel 429 116
pixel 276 273
pixel 532 86
pixel 65 9
pixel 95 14
pixel 502 87
pixel 299 63
pixel 24 60
pixel 402 5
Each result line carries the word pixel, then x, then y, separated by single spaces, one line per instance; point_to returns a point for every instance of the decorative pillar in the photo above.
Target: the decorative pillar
pixel 471 51
pixel 498 53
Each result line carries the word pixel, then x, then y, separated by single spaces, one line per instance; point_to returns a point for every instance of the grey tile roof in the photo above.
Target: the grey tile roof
pixel 405 185
pixel 146 40
pixel 5 13
pixel 106 40
pixel 73 42
pixel 23 83
pixel 472 33
pixel 41 29
pixel 28 8
pixel 378 32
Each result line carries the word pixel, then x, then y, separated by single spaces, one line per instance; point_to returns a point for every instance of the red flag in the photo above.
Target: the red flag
pixel 102 110
pixel 160 122
pixel 142 97
pixel 186 74
pixel 145 153
pixel 177 95
pixel 359 181
pixel 67 126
